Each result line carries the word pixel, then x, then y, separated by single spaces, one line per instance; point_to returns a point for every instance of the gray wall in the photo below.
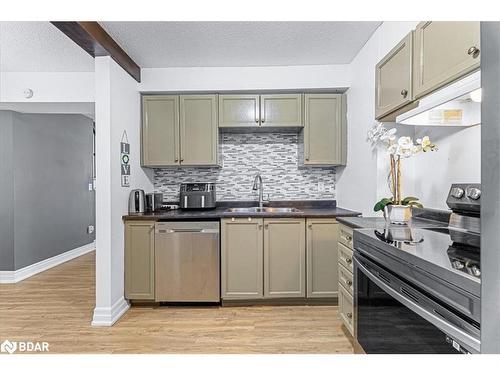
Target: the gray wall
pixel 490 180
pixel 6 192
pixel 52 167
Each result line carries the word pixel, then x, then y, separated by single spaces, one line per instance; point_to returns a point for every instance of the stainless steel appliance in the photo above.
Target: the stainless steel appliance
pixel 198 195
pixel 136 201
pixel 187 261
pixel 154 201
pixel 418 290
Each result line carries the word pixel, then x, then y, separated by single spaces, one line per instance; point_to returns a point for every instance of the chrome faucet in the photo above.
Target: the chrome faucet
pixel 257 185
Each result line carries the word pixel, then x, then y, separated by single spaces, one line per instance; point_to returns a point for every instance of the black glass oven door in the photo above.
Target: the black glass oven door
pixel 386 326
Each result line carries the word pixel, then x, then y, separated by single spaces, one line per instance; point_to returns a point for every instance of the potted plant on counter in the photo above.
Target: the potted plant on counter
pixel 397 209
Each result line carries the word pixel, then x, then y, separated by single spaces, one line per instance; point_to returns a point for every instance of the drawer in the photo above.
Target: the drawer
pixel 345 236
pixel 345 279
pixel 346 309
pixel 345 257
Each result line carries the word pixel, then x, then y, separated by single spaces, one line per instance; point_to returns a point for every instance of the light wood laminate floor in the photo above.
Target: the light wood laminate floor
pixel 56 306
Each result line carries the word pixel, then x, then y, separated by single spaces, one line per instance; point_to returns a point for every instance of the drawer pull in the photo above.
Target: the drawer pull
pixel 349 315
pixel 349 282
pixel 348 260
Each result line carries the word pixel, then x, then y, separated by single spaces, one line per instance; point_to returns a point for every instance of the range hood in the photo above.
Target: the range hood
pixel 458 104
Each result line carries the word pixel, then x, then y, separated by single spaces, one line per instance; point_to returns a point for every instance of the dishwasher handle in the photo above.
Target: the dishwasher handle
pixel 167 231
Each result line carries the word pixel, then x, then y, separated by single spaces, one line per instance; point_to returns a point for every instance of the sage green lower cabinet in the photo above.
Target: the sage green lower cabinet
pixel 322 258
pixel 325 130
pixel 139 260
pixel 242 258
pixel 284 258
pixel 198 130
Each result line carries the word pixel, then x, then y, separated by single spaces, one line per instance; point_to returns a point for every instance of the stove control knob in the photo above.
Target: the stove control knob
pixel 473 193
pixel 457 192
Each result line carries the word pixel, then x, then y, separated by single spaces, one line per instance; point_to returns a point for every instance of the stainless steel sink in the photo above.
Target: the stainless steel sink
pixel 263 209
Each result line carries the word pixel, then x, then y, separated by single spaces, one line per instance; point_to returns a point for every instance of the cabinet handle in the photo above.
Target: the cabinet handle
pixel 307 159
pixel 348 260
pixel 176 159
pixel 349 315
pixel 349 282
pixel 260 226
pixel 266 226
pixel 182 159
pixel 310 225
pixel 404 93
pixel 473 51
pixel 348 238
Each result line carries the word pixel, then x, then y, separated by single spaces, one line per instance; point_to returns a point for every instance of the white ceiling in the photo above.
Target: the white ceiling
pixel 40 47
pixel 187 44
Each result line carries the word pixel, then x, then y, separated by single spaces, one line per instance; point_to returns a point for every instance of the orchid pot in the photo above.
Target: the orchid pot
pixel 397 210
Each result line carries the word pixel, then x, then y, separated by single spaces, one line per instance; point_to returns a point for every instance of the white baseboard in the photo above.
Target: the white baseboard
pixel 10 277
pixel 107 316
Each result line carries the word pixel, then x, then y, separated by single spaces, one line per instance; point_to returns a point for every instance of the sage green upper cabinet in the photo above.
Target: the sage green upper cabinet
pixel 238 111
pixel 393 78
pixel 160 130
pixel 241 258
pixel 325 130
pixel 284 258
pixel 281 110
pixel 198 130
pixel 444 52
pixel 179 130
pixel 322 258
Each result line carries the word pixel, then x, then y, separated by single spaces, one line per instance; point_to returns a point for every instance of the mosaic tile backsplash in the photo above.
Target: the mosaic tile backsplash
pixel 242 156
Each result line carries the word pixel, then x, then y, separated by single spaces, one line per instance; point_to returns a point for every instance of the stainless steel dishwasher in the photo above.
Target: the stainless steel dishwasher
pixel 187 257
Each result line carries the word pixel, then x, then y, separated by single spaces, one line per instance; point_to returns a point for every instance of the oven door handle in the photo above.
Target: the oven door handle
pixel 438 320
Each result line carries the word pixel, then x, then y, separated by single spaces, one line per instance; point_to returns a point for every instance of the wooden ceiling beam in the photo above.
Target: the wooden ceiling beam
pixel 93 39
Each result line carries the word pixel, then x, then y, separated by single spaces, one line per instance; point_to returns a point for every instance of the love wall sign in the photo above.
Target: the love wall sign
pixel 125 160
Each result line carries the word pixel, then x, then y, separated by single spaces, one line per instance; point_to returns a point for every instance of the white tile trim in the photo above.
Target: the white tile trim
pixel 10 277
pixel 107 316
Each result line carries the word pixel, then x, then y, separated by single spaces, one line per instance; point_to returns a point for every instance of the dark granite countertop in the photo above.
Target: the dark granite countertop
pixel 316 209
pixel 422 218
pixel 379 222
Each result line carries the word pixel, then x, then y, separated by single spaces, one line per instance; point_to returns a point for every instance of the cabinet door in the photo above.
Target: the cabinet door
pixel 241 258
pixel 139 260
pixel 322 258
pixel 284 258
pixel 346 310
pixel 160 130
pixel 281 110
pixel 236 111
pixel 198 129
pixel 393 78
pixel 325 130
pixel 444 52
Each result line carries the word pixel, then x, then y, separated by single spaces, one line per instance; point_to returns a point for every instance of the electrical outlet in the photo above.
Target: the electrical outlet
pixel 91 187
pixel 90 229
pixel 321 186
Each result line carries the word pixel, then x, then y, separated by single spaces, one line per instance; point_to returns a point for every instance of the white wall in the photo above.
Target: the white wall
pixel 245 78
pixel 458 160
pixel 47 86
pixel 117 109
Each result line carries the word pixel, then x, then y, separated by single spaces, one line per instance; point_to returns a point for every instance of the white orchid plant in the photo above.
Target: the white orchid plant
pixel 398 148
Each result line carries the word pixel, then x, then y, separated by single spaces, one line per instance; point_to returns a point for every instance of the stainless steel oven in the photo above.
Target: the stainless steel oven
pixel 395 316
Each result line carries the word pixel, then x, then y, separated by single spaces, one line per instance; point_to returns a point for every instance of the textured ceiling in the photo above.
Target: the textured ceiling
pixel 180 44
pixel 40 47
